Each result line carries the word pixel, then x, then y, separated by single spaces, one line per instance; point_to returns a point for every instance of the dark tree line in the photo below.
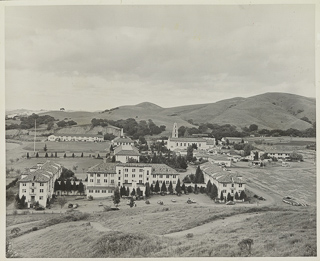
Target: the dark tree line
pixel 28 122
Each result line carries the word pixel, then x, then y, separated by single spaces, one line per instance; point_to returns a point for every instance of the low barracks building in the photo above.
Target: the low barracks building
pixel 75 137
pixel 105 177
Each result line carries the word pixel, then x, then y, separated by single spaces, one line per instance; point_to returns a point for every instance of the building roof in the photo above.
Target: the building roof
pixel 78 135
pixel 108 168
pixel 163 169
pixel 126 150
pixel 122 140
pixel 220 157
pixel 136 164
pixel 187 139
pixel 37 176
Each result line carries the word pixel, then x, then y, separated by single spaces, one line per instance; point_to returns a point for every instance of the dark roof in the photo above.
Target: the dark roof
pixel 163 169
pixel 119 139
pixel 37 176
pixel 186 139
pixel 103 168
pixel 127 153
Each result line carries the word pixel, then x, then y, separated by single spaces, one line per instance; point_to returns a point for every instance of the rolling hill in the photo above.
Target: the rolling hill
pixel 269 110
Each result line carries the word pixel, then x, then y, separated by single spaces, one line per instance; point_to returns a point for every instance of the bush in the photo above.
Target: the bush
pixel 34 228
pixel 189 235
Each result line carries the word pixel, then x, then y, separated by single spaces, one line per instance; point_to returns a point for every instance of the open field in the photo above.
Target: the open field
pixel 298 180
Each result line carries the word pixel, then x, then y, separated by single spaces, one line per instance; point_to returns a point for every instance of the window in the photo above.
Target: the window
pixel 41 184
pixel 147 172
pixel 231 190
pixel 240 185
pixel 119 178
pixel 119 172
pixel 133 170
pixel 112 181
pixel 181 144
pixel 224 191
pixel 41 197
pixel 140 180
pixel 140 176
pixel 232 185
pixel 140 170
pixel 24 191
pixel 167 176
pixel 160 176
pixel 133 175
pixel 104 191
pixel 91 180
pixel 98 180
pixel 126 170
pixel 112 175
pixel 160 181
pixel 125 181
pixel 147 179
pixel 154 182
pixel 185 144
pixel 105 181
pixel 90 191
pixel 98 175
pixel 105 175
pixel 32 184
pixel 91 175
pixel 174 176
pixel 167 181
pixel 224 185
pixel 24 184
pixel 177 144
pixel 97 191
pixel 41 190
pixel 199 144
pixel 109 191
pixel 154 176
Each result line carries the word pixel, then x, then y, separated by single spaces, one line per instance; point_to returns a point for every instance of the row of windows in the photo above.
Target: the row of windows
pixel 105 181
pixel 126 181
pixel 24 190
pixel 185 144
pixel 167 182
pixel 98 191
pixel 161 176
pixel 232 191
pixel 24 184
pixel 232 185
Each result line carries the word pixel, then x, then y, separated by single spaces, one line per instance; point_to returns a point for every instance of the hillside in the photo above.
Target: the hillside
pixel 269 110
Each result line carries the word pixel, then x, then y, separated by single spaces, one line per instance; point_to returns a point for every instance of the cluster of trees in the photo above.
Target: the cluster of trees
pixel 108 136
pixel 172 160
pixel 67 186
pixel 66 174
pixel 20 202
pixel 63 123
pixel 246 147
pixel 28 122
pixel 197 178
pixel 131 127
pixel 125 191
pixel 227 130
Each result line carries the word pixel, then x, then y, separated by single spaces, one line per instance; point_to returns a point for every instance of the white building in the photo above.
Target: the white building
pixel 105 177
pixel 37 183
pixel 122 141
pixel 272 154
pixel 124 153
pixel 175 142
pixel 75 137
pixel 225 181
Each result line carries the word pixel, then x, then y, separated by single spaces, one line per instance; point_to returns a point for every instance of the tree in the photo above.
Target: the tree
pixel 243 195
pixel 74 186
pixel 147 191
pixel 133 192
pixel 46 155
pixel 131 202
pixel 163 187
pixel 213 191
pixel 189 189
pixel 45 147
pixel 199 178
pixel 62 186
pixel 209 185
pixel 170 188
pixel 127 192
pixel 28 155
pixel 253 127
pixel 55 155
pixel 62 201
pixel 245 246
pixel 37 155
pixel 82 155
pixel 178 187
pixel 65 155
pixel 111 148
pixel 157 187
pixel 138 192
pixel 51 155
pixel 183 187
pixel 229 197
pixel 221 196
pixel 56 186
pixel 113 159
pixel 189 153
pixel 116 196
pixel 236 196
pixel 151 188
pixel 72 155
pixel 256 156
pixel 68 186
pixel 196 189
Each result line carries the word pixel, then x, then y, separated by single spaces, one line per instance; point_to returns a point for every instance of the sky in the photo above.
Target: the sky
pixel 99 57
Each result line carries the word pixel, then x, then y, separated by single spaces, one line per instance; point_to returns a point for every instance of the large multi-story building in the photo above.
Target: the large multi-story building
pixel 37 183
pixel 124 153
pixel 176 143
pixel 105 177
pixel 226 181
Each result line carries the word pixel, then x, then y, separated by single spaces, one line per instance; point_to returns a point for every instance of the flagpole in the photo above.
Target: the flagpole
pixel 35 135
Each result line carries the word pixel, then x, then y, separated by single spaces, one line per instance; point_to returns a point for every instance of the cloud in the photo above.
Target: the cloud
pixel 135 53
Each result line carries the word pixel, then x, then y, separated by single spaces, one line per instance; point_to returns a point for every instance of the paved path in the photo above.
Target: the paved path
pixel 200 230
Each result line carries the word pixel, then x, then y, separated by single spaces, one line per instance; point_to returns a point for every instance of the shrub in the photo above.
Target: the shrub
pixel 34 228
pixel 189 235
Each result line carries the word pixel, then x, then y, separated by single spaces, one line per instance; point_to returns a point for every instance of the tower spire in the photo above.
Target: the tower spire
pixel 175 130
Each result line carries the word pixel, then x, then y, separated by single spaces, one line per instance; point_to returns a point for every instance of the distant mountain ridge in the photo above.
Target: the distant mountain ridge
pixel 268 110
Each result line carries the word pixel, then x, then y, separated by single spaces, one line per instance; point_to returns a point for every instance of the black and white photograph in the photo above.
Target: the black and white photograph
pixel 159 130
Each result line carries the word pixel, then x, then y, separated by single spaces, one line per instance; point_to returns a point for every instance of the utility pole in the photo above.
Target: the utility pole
pixel 35 136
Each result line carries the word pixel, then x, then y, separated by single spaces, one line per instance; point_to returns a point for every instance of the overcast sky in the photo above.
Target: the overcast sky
pixel 100 57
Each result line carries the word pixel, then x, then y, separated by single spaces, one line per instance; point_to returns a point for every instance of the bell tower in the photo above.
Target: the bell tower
pixel 175 130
